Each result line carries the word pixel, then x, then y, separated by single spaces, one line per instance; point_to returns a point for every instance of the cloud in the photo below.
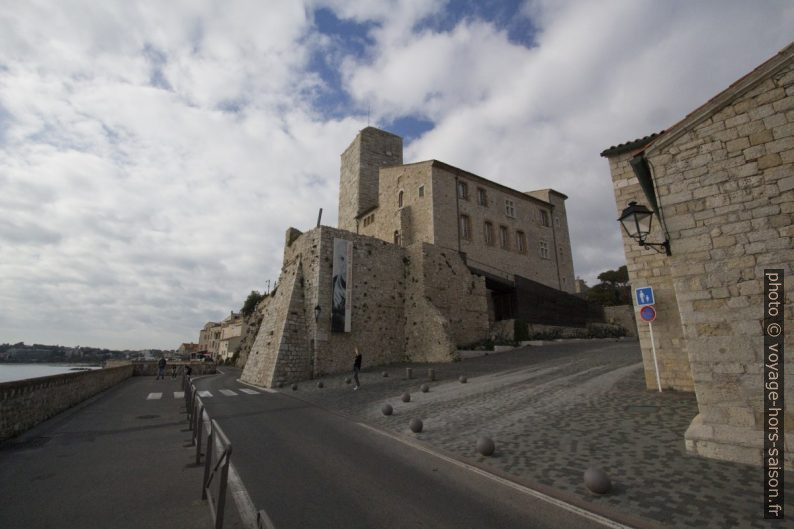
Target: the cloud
pixel 153 154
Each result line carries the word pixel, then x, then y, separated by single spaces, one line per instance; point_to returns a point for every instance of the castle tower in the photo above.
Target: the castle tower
pixel 359 175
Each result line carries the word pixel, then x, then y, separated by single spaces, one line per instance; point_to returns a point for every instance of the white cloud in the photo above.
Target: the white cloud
pixel 153 154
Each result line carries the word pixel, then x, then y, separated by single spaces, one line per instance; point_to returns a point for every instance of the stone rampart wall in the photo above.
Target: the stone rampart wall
pixel 622 315
pixel 26 403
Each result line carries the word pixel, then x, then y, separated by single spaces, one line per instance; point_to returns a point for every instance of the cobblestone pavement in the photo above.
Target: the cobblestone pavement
pixel 555 410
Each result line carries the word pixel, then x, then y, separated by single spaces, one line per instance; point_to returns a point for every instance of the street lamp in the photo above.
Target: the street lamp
pixel 636 220
pixel 317 310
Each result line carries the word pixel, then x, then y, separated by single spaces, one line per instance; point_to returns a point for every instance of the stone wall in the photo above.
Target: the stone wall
pixel 407 303
pixel 26 403
pixel 622 315
pixel 446 305
pixel 648 268
pixel 724 177
pixel 359 173
pixel 252 324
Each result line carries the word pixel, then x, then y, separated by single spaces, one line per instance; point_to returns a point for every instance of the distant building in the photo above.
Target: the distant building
pixel 209 338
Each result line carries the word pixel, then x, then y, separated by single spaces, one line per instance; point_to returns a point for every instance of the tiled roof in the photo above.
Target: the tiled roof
pixel 630 145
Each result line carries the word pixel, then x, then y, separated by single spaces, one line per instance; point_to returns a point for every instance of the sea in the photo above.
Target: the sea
pixel 10 372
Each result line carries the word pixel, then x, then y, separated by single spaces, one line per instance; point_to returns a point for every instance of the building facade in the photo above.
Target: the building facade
pixel 721 182
pixel 496 229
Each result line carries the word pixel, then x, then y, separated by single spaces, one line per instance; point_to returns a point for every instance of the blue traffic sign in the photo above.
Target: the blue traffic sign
pixel 644 296
pixel 648 313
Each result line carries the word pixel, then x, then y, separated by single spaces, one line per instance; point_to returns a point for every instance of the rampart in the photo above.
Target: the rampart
pixel 26 403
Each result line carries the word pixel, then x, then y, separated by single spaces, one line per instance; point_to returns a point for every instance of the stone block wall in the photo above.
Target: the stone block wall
pixel 407 303
pixel 622 315
pixel 726 187
pixel 446 305
pixel 26 403
pixel 359 175
pixel 724 178
pixel 648 268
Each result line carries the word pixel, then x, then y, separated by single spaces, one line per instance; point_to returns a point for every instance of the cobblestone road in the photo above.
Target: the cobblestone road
pixel 554 411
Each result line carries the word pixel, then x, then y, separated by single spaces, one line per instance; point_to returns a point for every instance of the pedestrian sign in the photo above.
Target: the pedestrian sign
pixel 644 296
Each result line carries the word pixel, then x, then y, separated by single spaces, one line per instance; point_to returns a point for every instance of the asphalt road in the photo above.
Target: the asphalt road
pixel 310 468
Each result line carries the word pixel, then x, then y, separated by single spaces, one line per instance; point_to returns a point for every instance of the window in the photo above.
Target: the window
pixel 543 249
pixel 557 221
pixel 482 197
pixel 521 242
pixel 465 227
pixel 369 219
pixel 504 240
pixel 544 218
pixel 463 190
pixel 400 199
pixel 562 255
pixel 488 233
pixel 397 238
pixel 421 191
pixel 510 208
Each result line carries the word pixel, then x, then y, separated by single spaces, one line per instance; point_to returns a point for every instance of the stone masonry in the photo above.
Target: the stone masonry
pixel 724 179
pixel 421 202
pixel 414 303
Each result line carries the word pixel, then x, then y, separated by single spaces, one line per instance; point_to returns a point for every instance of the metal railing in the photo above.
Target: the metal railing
pixel 218 447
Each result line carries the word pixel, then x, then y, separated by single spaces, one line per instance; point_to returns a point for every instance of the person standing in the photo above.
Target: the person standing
pixel 356 367
pixel 161 368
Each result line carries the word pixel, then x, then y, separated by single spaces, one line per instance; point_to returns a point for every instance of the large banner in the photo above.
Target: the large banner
pixel 342 286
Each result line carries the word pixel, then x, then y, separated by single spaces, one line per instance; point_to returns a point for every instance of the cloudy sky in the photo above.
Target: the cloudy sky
pixel 152 154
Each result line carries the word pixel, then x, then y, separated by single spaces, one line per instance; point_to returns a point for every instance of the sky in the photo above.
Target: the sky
pixel 153 154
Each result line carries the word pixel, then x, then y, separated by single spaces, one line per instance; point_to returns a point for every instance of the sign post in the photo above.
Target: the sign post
pixel 648 314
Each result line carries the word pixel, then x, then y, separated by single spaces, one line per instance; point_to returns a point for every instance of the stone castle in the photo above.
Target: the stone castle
pixel 426 259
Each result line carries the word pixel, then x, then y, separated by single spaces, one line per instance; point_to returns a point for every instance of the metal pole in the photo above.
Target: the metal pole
pixel 655 363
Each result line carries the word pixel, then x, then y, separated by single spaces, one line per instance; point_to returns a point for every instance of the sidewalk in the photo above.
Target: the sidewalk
pixel 555 410
pixel 117 460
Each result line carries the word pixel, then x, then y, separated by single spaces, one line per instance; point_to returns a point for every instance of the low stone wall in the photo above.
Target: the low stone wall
pixel 26 403
pixel 505 330
pixel 148 368
pixel 622 315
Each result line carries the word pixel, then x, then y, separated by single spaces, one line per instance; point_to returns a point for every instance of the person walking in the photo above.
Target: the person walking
pixel 356 367
pixel 161 368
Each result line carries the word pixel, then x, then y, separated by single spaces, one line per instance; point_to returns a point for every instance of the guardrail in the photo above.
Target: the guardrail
pixel 218 447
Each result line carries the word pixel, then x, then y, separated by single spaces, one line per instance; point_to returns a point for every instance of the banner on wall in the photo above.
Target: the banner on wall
pixel 342 286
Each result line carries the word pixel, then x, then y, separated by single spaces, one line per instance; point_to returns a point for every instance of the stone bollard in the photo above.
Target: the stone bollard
pixel 409 373
pixel 416 425
pixel 280 384
pixel 385 374
pixel 596 480
pixel 425 388
pixel 406 397
pixel 320 384
pixel 462 379
pixel 485 446
pixel 387 409
pixel 347 380
pixel 431 374
pixel 294 387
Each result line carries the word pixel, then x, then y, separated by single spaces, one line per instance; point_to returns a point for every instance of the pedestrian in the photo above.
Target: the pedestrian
pixel 161 368
pixel 356 367
pixel 173 371
pixel 188 370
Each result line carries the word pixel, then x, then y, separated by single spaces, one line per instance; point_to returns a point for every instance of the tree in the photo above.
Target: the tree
pixel 251 302
pixel 613 289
